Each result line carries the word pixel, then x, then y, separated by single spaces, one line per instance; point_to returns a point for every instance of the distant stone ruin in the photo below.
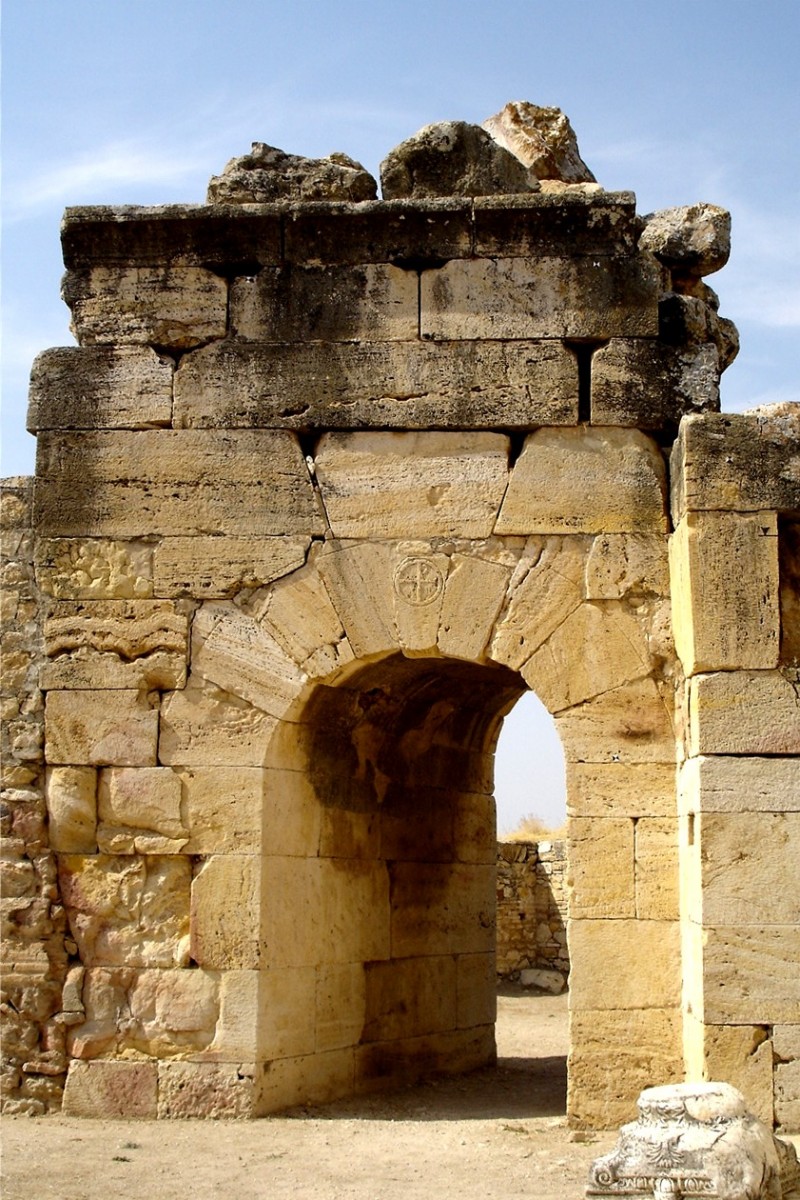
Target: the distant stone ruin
pixel 327 483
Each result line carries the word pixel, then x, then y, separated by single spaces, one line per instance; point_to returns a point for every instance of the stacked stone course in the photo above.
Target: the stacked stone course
pixel 531 908
pixel 323 488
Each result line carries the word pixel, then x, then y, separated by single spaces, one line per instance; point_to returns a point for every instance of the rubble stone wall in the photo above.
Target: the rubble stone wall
pixel 531 908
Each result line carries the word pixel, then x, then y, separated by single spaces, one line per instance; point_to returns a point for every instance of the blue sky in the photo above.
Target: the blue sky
pixel 141 101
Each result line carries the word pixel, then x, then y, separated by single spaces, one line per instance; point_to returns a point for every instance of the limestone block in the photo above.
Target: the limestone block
pixel 643 1044
pixel 358 579
pixel 226 921
pixel 750 865
pixel 442 908
pixel 418 580
pixel 384 385
pixel 474 592
pixel 237 1031
pixel 208 1090
pixel 724 570
pixel 118 728
pixel 544 589
pixel 301 617
pixel 376 302
pixel 171 1012
pixel 100 387
pixel 737 784
pixel 624 964
pixel 223 808
pixel 291 819
pixel 287 1004
pixel 744 712
pixel 233 651
pixel 398 1063
pixel 115 644
pixel 312 1079
pixel 412 484
pixel 474 828
pixel 656 868
pixel 399 231
pixel 110 1090
pixel 268 174
pixel 174 308
pixel 542 139
pixel 173 481
pixel 586 480
pixel 747 462
pixel 127 911
pixel 340 1005
pixel 601 867
pixel 476 990
pixel 649 384
pixel 212 567
pixel 620 789
pixel 541 297
pixel 627 564
pixel 205 725
pixel 787 1095
pixel 742 1056
pixel 693 240
pixel 409 997
pixel 417 825
pixel 597 648
pixel 146 798
pixel 343 832
pixel 762 960
pixel 571 221
pixel 631 724
pixel 452 158
pixel 94 569
pixel 72 809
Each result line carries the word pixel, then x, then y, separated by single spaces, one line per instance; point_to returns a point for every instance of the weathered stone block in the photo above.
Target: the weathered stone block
pixel 763 961
pixel 174 308
pixel 749 864
pixel 620 789
pixel 388 385
pixel 742 1056
pixel 649 384
pixel 142 798
pixel 287 1004
pixel 418 584
pixel 358 579
pixel 72 809
pixel 724 569
pixel 656 868
pixel 212 567
pixel 111 1090
pixel 116 728
pixel 375 302
pixel 301 617
pixel 314 1078
pixel 601 867
pixel 408 1060
pixel 205 725
pixel 634 723
pixel 586 480
pixel 624 964
pixel 100 387
pixel 474 593
pixel 409 997
pixel 623 565
pixel 223 808
pixel 544 589
pixel 115 644
pixel 570 222
pixel 340 1005
pixel 453 158
pixel 92 569
pixel 233 651
pixel 737 785
pixel 170 1012
pixel 412 484
pixel 173 481
pixel 226 923
pixel 409 233
pixel 209 1090
pixel 476 990
pixel 744 712
pixel 786 1092
pixel 127 911
pixel 541 297
pixel 747 462
pixel 644 1044
pixel 442 908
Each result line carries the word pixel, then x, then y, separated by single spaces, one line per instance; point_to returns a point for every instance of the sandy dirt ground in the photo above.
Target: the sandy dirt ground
pixel 492 1134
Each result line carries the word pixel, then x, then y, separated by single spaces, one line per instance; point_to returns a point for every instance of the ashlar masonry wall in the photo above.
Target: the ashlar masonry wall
pixel 321 491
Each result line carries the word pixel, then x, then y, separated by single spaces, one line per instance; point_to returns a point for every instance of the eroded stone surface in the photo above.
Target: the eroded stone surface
pixel 542 139
pixel 452 158
pixel 267 174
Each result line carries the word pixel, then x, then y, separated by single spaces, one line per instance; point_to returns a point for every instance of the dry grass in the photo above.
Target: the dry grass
pixel 533 829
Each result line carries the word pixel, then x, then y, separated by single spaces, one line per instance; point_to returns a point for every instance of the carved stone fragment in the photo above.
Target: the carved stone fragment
pixel 452 158
pixel 267 174
pixel 542 139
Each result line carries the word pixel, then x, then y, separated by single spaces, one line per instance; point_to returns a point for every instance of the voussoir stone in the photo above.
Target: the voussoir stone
pixel 268 174
pixel 542 139
pixel 694 239
pixel 452 158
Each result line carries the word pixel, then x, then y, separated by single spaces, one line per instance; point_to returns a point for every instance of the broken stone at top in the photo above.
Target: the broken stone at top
pixel 452 158
pixel 693 241
pixel 268 174
pixel 542 139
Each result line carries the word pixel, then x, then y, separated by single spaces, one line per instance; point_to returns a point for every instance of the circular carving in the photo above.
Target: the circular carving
pixel 418 581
